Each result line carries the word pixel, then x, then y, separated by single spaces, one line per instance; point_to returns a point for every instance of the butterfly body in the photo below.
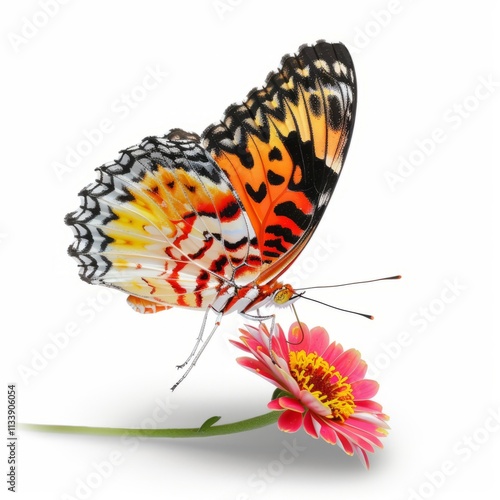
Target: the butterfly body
pixel 213 221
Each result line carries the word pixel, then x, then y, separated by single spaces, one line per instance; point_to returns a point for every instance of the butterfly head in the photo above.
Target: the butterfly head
pixel 284 295
pixel 274 295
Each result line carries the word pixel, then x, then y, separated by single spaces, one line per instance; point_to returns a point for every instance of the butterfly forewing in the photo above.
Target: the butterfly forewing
pixel 284 147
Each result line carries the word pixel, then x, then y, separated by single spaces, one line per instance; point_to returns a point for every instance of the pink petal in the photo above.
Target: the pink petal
pixel 250 332
pixel 258 368
pixel 314 404
pixel 257 347
pixel 345 444
pixel 328 434
pixel 364 425
pixel 362 456
pixel 379 422
pixel 274 405
pixel 359 372
pixel 263 337
pixel 290 421
pixel 289 403
pixel 299 337
pixel 284 380
pixel 365 440
pixel 364 389
pixel 250 363
pixel 347 362
pixel 239 345
pixel 351 437
pixel 280 344
pixel 280 363
pixel 255 339
pixel 361 441
pixel 370 407
pixel 281 374
pixel 319 340
pixel 332 352
pixel 311 425
pixel 291 385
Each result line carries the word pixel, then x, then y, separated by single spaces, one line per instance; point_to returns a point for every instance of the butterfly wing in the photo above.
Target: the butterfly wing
pixel 163 224
pixel 174 224
pixel 283 149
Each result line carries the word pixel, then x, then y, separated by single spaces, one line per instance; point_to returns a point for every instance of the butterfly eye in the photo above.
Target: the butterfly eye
pixel 283 295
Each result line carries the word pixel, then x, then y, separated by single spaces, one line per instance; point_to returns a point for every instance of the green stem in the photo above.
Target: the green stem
pixel 203 431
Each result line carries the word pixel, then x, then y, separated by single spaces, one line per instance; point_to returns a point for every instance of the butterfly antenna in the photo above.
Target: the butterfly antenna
pixel 369 316
pixel 397 277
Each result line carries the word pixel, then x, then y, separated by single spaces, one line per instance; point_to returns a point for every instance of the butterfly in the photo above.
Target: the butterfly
pixel 211 222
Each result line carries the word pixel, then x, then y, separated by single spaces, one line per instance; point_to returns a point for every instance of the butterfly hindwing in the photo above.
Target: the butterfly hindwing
pixel 163 224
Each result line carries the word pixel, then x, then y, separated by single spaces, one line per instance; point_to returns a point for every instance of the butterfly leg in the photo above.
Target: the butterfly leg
pixel 258 318
pixel 199 339
pixel 201 349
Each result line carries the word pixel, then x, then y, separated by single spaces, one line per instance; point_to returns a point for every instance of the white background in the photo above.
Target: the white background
pixel 434 344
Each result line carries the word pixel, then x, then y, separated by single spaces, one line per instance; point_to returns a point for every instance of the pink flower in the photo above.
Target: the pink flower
pixel 321 386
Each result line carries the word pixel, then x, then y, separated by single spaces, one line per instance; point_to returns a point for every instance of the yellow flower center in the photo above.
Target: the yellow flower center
pixel 324 382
